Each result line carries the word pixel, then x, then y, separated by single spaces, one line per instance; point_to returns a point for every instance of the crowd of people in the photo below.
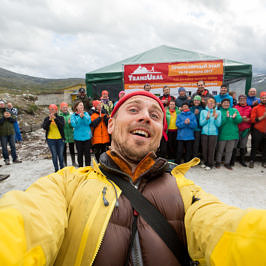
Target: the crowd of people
pixel 212 128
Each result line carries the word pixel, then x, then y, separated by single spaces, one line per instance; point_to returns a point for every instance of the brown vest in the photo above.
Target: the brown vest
pixel 160 188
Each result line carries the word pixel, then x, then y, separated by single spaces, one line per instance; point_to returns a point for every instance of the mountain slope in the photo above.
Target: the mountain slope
pixel 14 81
pixel 259 82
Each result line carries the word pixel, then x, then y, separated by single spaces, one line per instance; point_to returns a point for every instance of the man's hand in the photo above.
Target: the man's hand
pixel 208 115
pixel 187 121
pixel 7 115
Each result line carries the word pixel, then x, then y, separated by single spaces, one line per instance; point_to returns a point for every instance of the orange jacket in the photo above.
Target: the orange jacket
pixel 256 112
pixel 99 128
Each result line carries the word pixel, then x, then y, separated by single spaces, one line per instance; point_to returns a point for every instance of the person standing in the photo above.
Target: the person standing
pixel 107 104
pixel 14 113
pixel 99 123
pixel 210 121
pixel 80 121
pixel 147 87
pixel 244 127
pixel 228 133
pixel 202 92
pixel 252 99
pixel 54 133
pixel 182 97
pixel 68 132
pixel 166 97
pixel 258 118
pixel 82 96
pixel 120 95
pixel 7 135
pixel 196 109
pixel 171 115
pixel 223 95
pixel 186 123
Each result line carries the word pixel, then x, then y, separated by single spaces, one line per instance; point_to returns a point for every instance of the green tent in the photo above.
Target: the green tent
pixel 111 77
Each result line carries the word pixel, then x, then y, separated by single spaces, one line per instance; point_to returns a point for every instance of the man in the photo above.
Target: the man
pixel 107 104
pixel 79 217
pixel 258 118
pixel 252 100
pixel 182 97
pixel 223 95
pixel 87 102
pixel 7 135
pixel 147 87
pixel 14 113
pixel 202 92
pixel 166 98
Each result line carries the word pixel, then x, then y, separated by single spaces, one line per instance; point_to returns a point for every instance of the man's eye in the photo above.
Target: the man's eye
pixel 133 110
pixel 154 116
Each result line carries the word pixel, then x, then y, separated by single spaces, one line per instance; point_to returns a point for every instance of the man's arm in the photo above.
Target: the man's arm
pixel 217 233
pixel 33 223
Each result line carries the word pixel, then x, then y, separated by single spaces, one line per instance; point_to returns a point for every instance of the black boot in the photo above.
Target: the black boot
pixel 242 158
pixel 233 158
pixel 73 160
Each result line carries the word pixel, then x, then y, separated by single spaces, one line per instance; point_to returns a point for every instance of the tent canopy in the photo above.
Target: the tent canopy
pixel 111 76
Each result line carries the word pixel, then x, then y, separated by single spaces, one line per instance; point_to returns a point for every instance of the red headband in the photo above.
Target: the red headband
pixel 263 93
pixel 53 106
pixel 147 94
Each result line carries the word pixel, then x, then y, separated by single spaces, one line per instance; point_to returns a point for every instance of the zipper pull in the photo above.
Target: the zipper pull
pixel 105 202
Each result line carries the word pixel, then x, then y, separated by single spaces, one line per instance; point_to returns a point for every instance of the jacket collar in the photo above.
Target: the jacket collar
pixel 149 167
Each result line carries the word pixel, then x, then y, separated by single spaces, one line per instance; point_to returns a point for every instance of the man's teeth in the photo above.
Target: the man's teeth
pixel 141 133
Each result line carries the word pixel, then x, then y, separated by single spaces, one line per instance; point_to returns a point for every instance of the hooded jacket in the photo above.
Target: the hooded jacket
pixel 244 111
pixel 186 131
pixel 229 126
pixel 61 220
pixel 256 112
pixel 68 129
pixel 82 130
pixel 99 127
pixel 210 126
pixel 200 108
pixel 218 98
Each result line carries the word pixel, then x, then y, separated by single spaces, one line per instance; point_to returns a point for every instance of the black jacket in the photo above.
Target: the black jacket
pixel 60 122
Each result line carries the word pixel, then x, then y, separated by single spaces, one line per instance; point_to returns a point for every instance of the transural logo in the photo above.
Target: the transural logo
pixel 142 73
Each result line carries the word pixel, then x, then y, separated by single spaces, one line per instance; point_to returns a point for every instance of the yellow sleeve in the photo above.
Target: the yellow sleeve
pixel 33 222
pixel 219 234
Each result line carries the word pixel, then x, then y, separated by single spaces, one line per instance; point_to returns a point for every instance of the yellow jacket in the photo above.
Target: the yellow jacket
pixel 61 220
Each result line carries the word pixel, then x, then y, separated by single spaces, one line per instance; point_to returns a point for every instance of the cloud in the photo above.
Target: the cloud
pixel 59 39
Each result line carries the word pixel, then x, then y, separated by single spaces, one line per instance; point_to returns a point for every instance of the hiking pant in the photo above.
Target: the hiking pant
pixel 208 144
pixel 83 148
pixel 71 147
pixel 184 145
pixel 56 147
pixel 11 140
pixel 98 149
pixel 259 138
pixel 228 146
pixel 196 145
pixel 171 144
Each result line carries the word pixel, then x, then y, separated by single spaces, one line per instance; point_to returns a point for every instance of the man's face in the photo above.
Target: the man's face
pixel 147 87
pixel 242 101
pixel 263 99
pixel 200 86
pixel 223 90
pixel 166 91
pixel 9 105
pixel 136 128
pixel 172 105
pixel 252 92
pixel 225 104
pixel 182 93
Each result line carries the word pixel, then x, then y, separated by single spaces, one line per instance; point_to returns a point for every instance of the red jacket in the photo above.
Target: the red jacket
pixel 244 111
pixel 256 112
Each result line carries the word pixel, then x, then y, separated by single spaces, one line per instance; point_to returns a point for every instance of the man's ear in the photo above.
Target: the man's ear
pixel 111 125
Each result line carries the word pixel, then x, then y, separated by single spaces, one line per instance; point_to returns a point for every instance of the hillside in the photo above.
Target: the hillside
pixel 14 82
pixel 259 82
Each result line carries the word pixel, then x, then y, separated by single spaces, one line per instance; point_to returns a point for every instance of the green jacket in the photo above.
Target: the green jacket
pixel 7 126
pixel 68 129
pixel 168 115
pixel 229 126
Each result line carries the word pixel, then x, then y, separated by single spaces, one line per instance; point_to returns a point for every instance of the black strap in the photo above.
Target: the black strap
pixel 153 217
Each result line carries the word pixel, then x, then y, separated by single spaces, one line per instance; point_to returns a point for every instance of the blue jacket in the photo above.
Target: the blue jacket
pixel 218 98
pixel 252 99
pixel 186 131
pixel 210 126
pixel 200 108
pixel 82 130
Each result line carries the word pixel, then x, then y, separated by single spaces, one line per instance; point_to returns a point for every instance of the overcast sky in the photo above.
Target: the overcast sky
pixel 67 38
